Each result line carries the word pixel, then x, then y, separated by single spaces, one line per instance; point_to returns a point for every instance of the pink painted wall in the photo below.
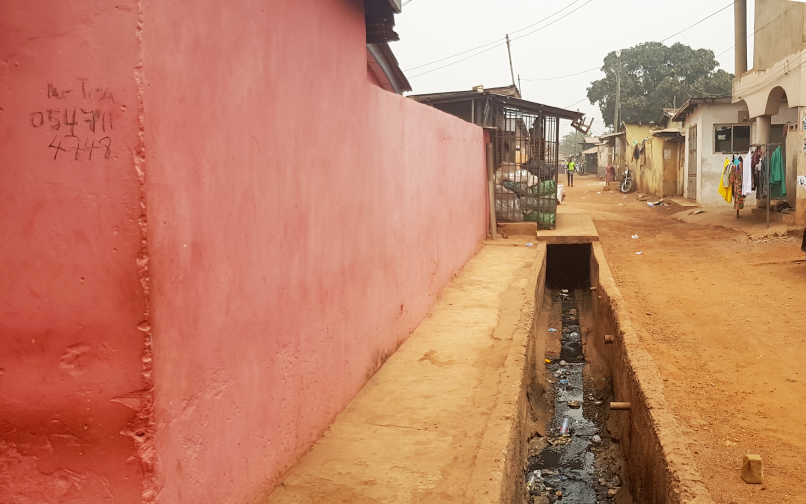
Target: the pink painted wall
pixel 300 222
pixel 70 295
pixel 307 221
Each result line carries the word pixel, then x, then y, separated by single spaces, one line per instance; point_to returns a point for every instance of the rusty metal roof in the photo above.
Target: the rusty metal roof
pixel 461 95
pixel 496 95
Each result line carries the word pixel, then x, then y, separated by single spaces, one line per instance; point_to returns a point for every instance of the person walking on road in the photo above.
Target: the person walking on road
pixel 571 170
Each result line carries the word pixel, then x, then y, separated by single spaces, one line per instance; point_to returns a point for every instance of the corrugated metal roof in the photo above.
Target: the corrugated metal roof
pixel 592 150
pixel 507 100
pixel 667 132
pixel 501 91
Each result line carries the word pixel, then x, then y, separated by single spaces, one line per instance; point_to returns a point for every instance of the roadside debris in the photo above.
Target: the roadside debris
pixel 635 237
pixel 698 211
pixel 551 329
pixel 638 253
pixel 564 428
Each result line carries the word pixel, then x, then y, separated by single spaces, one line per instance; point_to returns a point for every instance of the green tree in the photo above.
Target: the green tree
pixel 654 76
pixel 570 143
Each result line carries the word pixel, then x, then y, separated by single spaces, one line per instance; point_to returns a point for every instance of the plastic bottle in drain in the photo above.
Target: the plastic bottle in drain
pixel 564 428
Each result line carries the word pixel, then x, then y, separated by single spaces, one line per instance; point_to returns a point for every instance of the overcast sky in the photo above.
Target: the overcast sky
pixel 434 29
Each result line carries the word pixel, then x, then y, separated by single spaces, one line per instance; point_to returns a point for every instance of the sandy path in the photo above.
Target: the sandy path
pixel 415 432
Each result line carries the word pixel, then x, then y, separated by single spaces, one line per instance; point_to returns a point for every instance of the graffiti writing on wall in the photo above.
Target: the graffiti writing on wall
pixel 77 131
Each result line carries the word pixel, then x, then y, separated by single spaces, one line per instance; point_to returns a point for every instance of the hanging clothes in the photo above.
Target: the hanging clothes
pixel 747 174
pixel 725 188
pixel 756 166
pixel 735 179
pixel 777 176
pixel 761 181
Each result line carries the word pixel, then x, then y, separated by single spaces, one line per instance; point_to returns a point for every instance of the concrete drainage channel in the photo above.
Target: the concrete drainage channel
pixel 596 429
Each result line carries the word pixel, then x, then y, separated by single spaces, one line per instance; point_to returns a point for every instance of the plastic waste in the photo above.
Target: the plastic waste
pixel 529 244
pixel 552 330
pixel 563 363
pixel 563 382
pixel 564 291
pixel 638 253
pixel 596 439
pixel 565 425
pixel 548 361
pixel 634 237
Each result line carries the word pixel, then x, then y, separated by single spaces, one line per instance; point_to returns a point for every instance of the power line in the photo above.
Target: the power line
pixel 678 33
pixel 503 43
pixel 698 22
pixel 488 43
pixel 759 29
pixel 564 76
pixel 577 103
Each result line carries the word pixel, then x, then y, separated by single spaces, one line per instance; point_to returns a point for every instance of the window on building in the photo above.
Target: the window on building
pixel 731 138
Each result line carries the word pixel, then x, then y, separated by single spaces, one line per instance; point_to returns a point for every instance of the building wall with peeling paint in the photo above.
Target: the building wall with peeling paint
pixel 232 186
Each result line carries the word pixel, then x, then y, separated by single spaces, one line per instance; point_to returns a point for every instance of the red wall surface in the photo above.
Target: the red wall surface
pixel 307 221
pixel 300 223
pixel 71 354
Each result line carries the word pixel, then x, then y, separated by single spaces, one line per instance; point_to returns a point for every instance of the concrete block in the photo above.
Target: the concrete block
pixel 752 470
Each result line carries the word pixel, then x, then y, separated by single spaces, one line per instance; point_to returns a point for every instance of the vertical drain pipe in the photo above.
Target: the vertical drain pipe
pixel 491 191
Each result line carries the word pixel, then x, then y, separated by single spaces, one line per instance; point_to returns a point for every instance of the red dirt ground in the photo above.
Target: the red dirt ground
pixel 723 316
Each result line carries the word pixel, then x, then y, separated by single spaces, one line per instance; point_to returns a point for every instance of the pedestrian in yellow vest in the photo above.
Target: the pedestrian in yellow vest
pixel 571 170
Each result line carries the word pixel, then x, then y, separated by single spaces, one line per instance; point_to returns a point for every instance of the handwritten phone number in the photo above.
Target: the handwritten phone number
pixel 95 120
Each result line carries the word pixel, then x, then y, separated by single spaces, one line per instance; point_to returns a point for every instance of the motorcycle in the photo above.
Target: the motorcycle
pixel 627 185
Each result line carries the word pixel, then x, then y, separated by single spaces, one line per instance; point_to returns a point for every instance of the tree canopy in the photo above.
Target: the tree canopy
pixel 569 144
pixel 655 76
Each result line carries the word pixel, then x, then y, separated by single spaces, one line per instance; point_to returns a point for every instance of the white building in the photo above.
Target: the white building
pixel 716 129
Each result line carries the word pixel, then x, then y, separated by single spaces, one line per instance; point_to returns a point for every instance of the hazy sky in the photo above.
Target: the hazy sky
pixel 434 29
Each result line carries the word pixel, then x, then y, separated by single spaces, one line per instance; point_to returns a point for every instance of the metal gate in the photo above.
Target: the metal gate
pixel 526 148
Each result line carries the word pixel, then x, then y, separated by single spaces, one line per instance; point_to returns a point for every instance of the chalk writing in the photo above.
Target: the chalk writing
pixel 82 131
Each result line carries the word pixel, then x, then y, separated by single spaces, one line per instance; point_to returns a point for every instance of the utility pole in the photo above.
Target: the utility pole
pixel 510 62
pixel 519 83
pixel 618 93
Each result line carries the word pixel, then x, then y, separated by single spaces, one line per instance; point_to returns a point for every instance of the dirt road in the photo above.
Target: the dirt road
pixel 722 313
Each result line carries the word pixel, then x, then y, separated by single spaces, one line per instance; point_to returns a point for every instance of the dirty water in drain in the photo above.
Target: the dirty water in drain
pixel 577 461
